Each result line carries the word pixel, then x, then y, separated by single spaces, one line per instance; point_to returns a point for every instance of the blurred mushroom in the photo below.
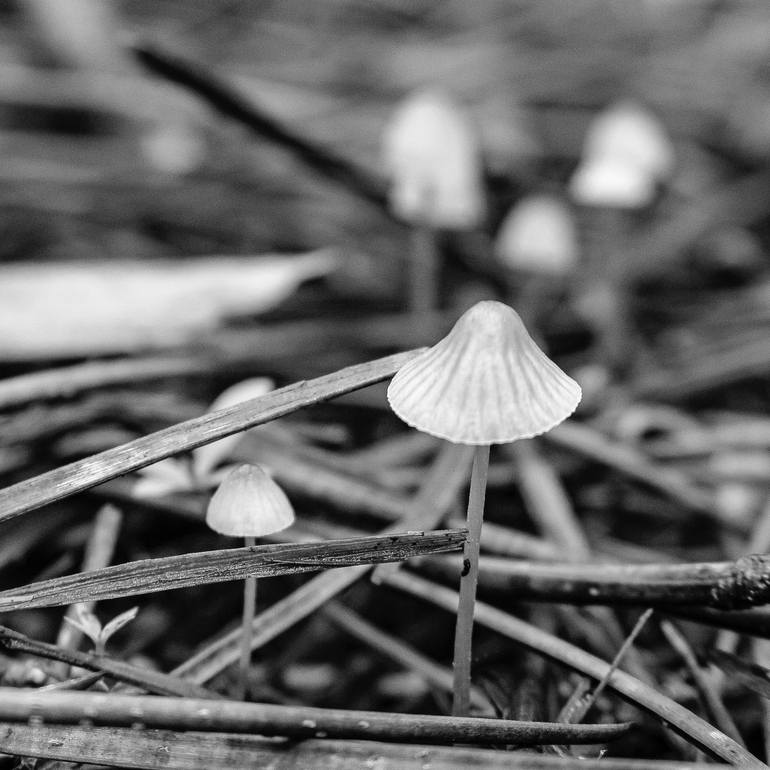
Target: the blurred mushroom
pixel 432 157
pixel 537 244
pixel 626 155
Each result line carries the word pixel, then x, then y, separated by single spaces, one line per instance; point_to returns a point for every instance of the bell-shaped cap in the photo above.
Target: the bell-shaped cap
pixel 486 382
pixel 612 183
pixel 626 131
pixel 248 503
pixel 538 235
pixel 431 155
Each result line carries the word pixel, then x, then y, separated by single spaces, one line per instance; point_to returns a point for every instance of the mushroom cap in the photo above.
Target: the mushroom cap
pixel 248 503
pixel 431 154
pixel 538 234
pixel 612 182
pixel 628 131
pixel 486 382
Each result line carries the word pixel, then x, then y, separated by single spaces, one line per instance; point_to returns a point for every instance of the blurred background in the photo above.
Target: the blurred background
pixel 105 160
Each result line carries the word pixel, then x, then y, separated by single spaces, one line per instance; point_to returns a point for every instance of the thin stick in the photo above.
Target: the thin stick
pixel 184 750
pixel 434 674
pixel 754 622
pixel 83 474
pixel 468 581
pixel 152 681
pixel 224 98
pixel 150 575
pixel 547 502
pixel 249 606
pixel 209 715
pixel 624 648
pixel 728 585
pixel 632 463
pixel 706 686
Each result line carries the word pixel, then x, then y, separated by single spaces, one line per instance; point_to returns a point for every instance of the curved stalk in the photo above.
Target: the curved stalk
pixel 468 582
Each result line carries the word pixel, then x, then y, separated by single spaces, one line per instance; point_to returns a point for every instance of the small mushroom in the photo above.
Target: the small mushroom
pixel 626 155
pixel 538 235
pixel 628 132
pixel 432 158
pixel 248 504
pixel 537 244
pixel 486 382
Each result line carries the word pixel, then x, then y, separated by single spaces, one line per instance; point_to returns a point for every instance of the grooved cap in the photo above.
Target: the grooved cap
pixel 486 382
pixel 248 503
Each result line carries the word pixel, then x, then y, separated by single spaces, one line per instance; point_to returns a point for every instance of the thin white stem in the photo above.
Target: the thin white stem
pixel 468 582
pixel 249 605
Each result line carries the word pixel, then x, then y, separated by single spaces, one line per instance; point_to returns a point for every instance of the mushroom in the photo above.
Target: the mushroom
pixel 626 155
pixel 248 504
pixel 537 244
pixel 626 131
pixel 432 157
pixel 486 382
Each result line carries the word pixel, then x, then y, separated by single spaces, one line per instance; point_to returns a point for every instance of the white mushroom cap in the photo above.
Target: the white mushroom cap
pixel 613 183
pixel 486 382
pixel 248 503
pixel 626 131
pixel 432 157
pixel 539 235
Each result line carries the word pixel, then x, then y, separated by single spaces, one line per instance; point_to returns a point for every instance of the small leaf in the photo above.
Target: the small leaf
pixel 86 622
pixel 117 623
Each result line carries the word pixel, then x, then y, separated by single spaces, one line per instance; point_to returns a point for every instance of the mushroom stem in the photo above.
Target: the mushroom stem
pixel 249 604
pixel 423 270
pixel 468 582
